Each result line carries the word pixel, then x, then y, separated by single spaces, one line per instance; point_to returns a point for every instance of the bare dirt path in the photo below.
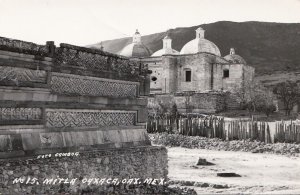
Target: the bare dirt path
pixel 261 173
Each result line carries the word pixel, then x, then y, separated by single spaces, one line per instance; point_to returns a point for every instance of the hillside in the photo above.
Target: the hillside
pixel 268 47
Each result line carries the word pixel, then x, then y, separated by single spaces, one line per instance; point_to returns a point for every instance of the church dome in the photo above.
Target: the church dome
pixel 200 44
pixel 234 58
pixel 136 48
pixel 164 52
pixel 167 48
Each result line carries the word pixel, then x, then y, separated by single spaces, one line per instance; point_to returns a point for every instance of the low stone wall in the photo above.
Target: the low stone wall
pixel 200 102
pixel 210 102
pixel 142 162
pixel 232 102
pixel 35 141
pixel 192 102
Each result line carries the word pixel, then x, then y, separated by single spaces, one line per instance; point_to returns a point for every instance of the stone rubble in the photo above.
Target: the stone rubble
pixel 140 190
pixel 197 184
pixel 204 162
pixel 177 140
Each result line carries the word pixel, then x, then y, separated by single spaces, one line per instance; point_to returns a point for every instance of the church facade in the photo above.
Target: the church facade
pixel 198 69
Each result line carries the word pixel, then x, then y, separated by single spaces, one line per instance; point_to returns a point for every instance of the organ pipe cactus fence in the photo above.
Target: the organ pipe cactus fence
pixel 287 132
pixel 211 127
pixel 253 130
pixel 217 127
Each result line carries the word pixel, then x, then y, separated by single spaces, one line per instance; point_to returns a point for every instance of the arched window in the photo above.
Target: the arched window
pixel 225 73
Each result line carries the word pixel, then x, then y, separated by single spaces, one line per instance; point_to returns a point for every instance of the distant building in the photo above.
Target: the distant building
pixel 198 69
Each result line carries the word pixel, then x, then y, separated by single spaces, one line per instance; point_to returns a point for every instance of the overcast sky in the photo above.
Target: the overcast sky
pixel 82 22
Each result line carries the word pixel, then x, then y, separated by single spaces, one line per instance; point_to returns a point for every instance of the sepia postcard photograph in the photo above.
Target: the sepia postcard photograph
pixel 155 97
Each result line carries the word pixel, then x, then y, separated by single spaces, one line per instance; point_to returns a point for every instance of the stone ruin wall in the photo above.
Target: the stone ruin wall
pixel 190 102
pixel 205 103
pixel 73 99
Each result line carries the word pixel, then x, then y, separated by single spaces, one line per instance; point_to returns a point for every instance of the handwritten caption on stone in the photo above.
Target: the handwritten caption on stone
pixel 68 154
pixel 88 181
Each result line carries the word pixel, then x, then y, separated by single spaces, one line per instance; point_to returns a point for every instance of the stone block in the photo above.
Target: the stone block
pixel 52 140
pixel 5 143
pixel 16 141
pixel 31 141
pixel 67 138
pixel 114 136
pixel 92 136
pixel 79 138
pixel 99 137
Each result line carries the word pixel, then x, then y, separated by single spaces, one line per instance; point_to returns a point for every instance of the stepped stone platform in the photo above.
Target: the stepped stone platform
pixel 73 99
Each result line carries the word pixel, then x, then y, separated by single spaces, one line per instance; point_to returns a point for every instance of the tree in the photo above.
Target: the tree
pixel 164 107
pixel 265 102
pixel 254 97
pixel 161 106
pixel 154 108
pixel 174 111
pixel 188 106
pixel 289 93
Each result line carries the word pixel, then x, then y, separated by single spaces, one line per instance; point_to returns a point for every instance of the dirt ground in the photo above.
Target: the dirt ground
pixel 260 173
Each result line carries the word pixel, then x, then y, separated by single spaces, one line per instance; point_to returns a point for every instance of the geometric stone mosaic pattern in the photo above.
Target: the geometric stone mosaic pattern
pixel 7 114
pixel 82 59
pixel 23 47
pixel 19 75
pixel 80 85
pixel 89 60
pixel 88 118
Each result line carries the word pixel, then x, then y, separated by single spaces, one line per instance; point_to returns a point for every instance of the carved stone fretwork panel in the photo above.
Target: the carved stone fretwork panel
pixel 91 86
pixel 19 75
pixel 93 59
pixel 88 118
pixel 82 59
pixel 9 114
pixel 23 47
